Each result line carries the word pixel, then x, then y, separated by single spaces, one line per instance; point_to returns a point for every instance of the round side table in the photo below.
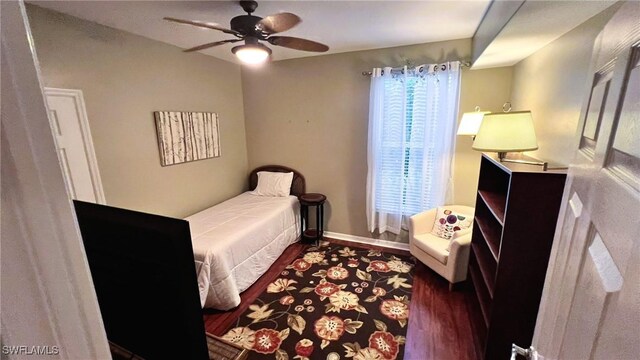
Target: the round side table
pixel 306 201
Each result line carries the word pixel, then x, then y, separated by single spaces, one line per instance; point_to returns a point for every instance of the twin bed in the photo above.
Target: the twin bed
pixel 236 241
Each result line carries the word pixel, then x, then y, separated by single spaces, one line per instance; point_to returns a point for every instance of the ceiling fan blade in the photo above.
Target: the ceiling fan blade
pixel 208 45
pixel 201 24
pixel 278 23
pixel 297 43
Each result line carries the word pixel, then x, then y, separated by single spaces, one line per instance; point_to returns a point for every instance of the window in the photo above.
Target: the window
pixel 412 120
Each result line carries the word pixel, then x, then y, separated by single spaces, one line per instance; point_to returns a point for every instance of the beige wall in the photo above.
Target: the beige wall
pixel 124 79
pixel 489 89
pixel 552 83
pixel 312 114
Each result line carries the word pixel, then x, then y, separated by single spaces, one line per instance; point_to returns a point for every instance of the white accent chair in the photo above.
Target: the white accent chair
pixel 434 251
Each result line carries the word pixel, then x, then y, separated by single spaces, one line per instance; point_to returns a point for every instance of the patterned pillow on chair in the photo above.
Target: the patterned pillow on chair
pixel 447 222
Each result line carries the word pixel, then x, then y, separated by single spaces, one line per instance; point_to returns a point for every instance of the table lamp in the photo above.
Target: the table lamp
pixel 507 132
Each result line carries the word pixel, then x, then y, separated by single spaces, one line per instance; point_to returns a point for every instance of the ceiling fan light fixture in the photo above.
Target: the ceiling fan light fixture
pixel 252 29
pixel 252 54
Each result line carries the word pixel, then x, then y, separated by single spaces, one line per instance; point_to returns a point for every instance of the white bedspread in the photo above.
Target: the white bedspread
pixel 236 241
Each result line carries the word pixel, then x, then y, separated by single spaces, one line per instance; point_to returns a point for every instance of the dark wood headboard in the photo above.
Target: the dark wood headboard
pixel 297 185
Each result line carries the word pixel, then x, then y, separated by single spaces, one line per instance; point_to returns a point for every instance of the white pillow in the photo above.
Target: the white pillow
pixel 273 184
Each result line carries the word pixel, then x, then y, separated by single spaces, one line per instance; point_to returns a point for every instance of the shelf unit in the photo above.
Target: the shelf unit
pixel 516 213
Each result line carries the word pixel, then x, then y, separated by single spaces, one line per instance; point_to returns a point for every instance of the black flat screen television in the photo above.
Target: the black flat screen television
pixel 144 274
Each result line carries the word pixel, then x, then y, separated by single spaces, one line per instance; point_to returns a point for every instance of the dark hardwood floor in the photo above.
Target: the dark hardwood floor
pixel 439 323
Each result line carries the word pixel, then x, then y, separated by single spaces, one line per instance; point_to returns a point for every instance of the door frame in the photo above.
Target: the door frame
pixel 85 130
pixel 40 235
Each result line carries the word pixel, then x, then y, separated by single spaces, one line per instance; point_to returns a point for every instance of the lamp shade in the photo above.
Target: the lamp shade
pixel 470 122
pixel 504 132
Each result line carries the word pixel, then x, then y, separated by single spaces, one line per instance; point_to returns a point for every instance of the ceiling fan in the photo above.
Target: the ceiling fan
pixel 254 29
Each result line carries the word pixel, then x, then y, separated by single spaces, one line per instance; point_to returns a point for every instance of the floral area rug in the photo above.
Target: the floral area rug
pixel 332 302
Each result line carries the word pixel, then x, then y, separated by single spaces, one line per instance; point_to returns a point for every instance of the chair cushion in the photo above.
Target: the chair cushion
pixel 447 222
pixel 436 247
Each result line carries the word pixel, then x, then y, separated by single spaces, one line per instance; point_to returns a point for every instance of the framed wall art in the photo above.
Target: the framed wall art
pixel 185 136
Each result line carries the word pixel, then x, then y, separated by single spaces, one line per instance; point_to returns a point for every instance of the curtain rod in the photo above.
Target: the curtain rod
pixel 369 73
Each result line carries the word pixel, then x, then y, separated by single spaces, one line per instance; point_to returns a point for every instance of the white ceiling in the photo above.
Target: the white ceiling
pixel 342 25
pixel 533 26
pixel 347 25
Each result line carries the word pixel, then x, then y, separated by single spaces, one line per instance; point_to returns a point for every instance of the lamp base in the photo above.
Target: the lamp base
pixel 502 156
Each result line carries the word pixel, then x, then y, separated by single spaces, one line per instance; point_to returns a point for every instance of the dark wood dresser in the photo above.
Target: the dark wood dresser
pixel 516 213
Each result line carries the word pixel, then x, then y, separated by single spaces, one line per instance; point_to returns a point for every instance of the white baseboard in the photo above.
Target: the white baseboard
pixel 366 240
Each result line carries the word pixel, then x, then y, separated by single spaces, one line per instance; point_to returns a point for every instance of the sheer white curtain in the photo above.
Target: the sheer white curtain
pixel 412 120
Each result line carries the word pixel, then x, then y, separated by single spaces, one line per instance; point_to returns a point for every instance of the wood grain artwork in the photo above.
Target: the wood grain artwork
pixel 185 136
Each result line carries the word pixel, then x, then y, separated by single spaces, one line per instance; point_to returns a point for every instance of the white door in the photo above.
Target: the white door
pixel 75 148
pixel 591 301
pixel 49 305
